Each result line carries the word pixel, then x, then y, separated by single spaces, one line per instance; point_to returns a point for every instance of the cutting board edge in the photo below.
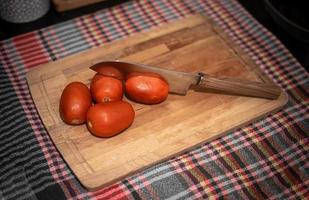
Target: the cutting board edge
pixel 36 104
pixel 283 99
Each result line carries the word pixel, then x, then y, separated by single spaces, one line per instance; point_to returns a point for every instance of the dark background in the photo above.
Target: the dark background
pixel 295 11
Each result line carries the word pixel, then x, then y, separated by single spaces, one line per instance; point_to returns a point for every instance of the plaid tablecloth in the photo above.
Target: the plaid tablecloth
pixel 265 160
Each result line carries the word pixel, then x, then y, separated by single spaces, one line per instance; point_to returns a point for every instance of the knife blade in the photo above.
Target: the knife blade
pixel 180 82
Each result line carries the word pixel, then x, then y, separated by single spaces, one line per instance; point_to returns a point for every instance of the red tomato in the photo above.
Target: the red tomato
pixel 109 119
pixel 105 89
pixel 110 71
pixel 147 88
pixel 74 103
pixel 148 74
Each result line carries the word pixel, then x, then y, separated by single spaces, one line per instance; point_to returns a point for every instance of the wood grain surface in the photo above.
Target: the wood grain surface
pixel 159 132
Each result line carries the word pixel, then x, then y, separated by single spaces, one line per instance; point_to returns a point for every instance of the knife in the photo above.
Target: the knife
pixel 181 82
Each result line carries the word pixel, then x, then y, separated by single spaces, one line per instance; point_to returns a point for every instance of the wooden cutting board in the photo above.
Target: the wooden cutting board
pixel 159 131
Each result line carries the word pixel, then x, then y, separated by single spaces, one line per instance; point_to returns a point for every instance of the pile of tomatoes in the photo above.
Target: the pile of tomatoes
pixel 101 107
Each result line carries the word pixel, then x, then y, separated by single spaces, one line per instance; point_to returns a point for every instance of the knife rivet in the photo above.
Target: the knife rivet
pixel 201 78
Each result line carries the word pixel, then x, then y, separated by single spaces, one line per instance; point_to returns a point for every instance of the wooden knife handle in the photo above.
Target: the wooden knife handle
pixel 240 87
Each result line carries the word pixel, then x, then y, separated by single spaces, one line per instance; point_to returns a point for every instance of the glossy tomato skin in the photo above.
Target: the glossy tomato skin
pixel 147 88
pixel 108 70
pixel 74 103
pixel 148 74
pixel 109 119
pixel 106 89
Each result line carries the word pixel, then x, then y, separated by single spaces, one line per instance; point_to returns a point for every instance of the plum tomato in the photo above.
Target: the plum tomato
pixel 110 71
pixel 106 89
pixel 74 103
pixel 109 119
pixel 147 88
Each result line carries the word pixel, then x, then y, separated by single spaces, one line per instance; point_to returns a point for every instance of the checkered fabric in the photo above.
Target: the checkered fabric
pixel 265 160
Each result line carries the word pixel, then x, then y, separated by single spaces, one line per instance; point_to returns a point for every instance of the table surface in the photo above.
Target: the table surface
pixel 268 159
